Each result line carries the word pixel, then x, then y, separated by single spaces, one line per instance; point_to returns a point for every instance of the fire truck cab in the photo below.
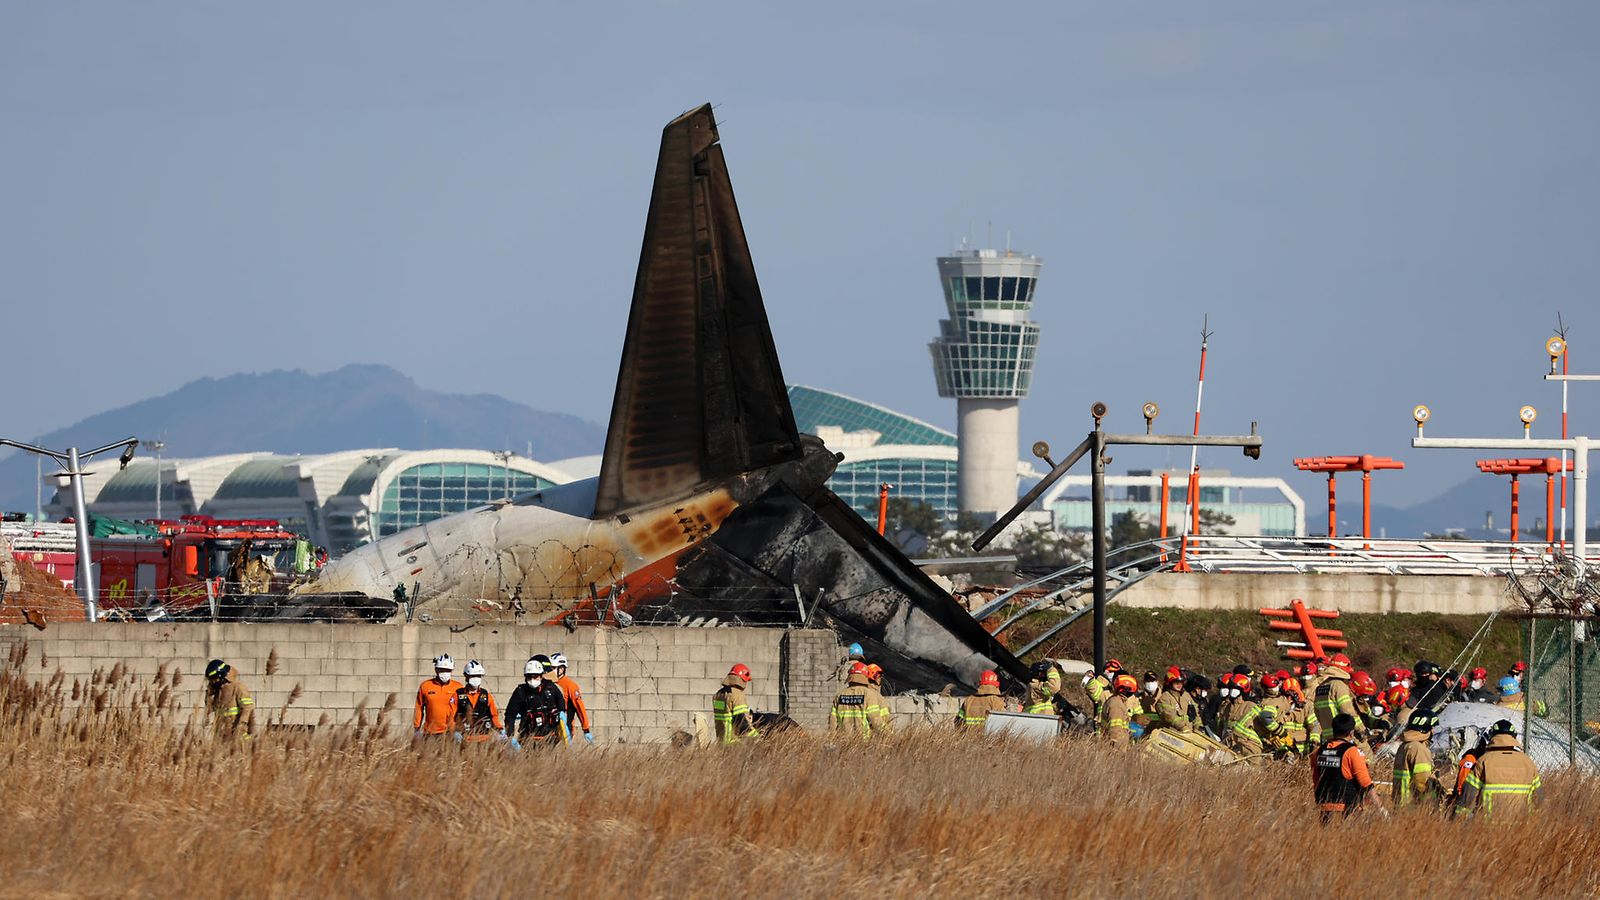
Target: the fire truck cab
pixel 186 562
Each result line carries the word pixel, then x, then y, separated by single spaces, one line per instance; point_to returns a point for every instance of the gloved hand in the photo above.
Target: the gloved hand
pixel 588 738
pixel 516 744
pixel 456 735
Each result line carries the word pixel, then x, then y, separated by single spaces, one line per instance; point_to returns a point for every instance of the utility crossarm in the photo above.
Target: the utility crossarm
pixel 1580 471
pixel 1095 445
pixel 1572 378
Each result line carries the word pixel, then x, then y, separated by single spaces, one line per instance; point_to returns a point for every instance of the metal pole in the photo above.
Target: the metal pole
pixel 1166 483
pixel 80 515
pixel 1097 492
pixel 1564 349
pixel 883 507
pixel 1580 501
pixel 1550 510
pixel 38 489
pixel 1333 500
pixel 159 448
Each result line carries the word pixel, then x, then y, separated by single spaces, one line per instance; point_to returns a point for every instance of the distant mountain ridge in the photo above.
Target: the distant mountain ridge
pixel 291 411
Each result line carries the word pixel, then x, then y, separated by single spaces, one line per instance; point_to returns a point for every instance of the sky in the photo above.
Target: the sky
pixel 1376 204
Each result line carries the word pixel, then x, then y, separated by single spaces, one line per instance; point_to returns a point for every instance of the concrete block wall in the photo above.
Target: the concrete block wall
pixel 1474 595
pixel 811 661
pixel 641 684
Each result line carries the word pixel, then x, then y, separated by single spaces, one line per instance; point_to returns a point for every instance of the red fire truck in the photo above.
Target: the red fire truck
pixel 177 564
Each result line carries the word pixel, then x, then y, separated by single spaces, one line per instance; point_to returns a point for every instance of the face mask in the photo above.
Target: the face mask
pixel 1273 691
pixel 442 676
pixel 1377 710
pixel 1477 683
pixel 1087 677
pixel 1406 682
pixel 474 682
pixel 1110 675
pixel 1150 686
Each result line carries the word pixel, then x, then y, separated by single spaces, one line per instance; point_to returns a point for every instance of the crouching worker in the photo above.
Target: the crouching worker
pixel 477 717
pixel 533 717
pixel 974 712
pixel 229 702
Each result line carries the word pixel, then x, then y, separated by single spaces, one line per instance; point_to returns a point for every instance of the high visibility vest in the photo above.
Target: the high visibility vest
pixel 726 716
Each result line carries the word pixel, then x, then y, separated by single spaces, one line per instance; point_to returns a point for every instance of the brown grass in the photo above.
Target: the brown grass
pixel 125 794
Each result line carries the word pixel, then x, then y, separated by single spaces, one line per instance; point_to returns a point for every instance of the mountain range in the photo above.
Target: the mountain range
pixel 291 411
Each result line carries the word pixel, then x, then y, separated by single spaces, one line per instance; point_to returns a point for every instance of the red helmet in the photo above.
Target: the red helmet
pixel 1283 674
pixel 1393 675
pixel 1270 681
pixel 1480 672
pixel 1395 697
pixel 1125 684
pixel 858 668
pixel 989 677
pixel 741 670
pixel 1519 668
pixel 1363 685
pixel 1308 668
pixel 1341 661
pixel 1174 674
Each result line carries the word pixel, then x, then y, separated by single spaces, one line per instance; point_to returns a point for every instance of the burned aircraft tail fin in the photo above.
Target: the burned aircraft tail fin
pixel 699 395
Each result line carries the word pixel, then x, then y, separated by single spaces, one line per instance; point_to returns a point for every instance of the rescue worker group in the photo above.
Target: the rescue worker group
pixel 1325 712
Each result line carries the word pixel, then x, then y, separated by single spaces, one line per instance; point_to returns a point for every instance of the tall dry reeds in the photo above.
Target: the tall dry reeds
pixel 122 794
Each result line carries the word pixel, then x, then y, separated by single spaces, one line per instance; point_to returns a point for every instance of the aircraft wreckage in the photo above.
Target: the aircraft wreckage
pixel 709 503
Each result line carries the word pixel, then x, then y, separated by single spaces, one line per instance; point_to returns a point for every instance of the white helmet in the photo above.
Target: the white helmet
pixel 558 660
pixel 444 661
pixel 534 667
pixel 474 668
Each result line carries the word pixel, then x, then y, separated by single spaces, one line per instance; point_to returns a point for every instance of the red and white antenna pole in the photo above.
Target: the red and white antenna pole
pixel 1562 330
pixel 1191 503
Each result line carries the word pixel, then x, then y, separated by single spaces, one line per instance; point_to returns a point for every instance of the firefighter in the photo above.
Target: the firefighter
pixel 1503 778
pixel 477 717
pixel 974 712
pixel 1518 670
pixel 1238 716
pixel 1477 687
pixel 730 711
pixel 1174 709
pixel 436 700
pixel 1369 704
pixel 229 701
pixel 1206 703
pixel 1098 687
pixel 1428 687
pixel 1414 781
pixel 1464 768
pixel 1292 736
pixel 1115 711
pixel 1149 695
pixel 1512 698
pixel 853 654
pixel 1333 696
pixel 1339 777
pixel 859 709
pixel 1043 683
pixel 534 713
pixel 880 711
pixel 576 712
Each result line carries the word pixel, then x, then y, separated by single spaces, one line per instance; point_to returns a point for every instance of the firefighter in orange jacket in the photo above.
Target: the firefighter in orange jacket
pixel 477 717
pixel 577 712
pixel 436 700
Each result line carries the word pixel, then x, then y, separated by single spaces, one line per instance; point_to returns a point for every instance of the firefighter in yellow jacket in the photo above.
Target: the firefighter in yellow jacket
pixel 229 702
pixel 1118 710
pixel 859 709
pixel 1098 687
pixel 1044 681
pixel 1504 781
pixel 974 712
pixel 1334 696
pixel 730 711
pixel 1414 780
pixel 1174 709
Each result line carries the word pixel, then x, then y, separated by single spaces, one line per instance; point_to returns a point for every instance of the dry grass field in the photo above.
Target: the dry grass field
pixel 124 795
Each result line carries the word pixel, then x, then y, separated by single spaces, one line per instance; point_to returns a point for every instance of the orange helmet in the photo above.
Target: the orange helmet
pixel 858 668
pixel 1113 665
pixel 1363 685
pixel 1125 684
pixel 1341 661
pixel 1242 682
pixel 874 671
pixel 989 677
pixel 1395 697
pixel 1174 674
pixel 741 670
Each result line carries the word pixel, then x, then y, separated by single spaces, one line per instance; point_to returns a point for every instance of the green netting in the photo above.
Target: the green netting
pixel 105 526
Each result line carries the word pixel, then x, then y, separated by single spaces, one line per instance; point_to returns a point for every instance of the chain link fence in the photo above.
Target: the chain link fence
pixel 1561 713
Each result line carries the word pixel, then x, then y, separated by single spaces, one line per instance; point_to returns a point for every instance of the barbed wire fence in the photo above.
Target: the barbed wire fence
pixel 1559 605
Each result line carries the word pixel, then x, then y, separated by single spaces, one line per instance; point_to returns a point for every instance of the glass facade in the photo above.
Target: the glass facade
pixel 432 491
pixel 986 348
pixel 933 481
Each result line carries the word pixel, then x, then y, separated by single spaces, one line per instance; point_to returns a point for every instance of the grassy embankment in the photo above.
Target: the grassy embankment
pixel 118 797
pixel 1215 641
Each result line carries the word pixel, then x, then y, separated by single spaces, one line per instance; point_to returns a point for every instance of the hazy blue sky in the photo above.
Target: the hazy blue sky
pixel 1377 204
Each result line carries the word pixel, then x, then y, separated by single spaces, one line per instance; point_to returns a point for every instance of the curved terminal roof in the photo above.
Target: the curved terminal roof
pixel 815 408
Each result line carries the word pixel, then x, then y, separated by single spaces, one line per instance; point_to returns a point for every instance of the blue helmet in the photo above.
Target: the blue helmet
pixel 855 650
pixel 1509 686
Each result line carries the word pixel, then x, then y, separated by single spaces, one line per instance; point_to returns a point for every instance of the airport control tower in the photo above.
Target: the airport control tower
pixel 983 357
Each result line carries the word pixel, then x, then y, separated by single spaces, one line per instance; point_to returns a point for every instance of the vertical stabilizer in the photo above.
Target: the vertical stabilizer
pixel 700 395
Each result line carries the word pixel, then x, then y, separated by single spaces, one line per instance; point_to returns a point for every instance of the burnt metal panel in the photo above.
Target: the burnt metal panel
pixel 700 395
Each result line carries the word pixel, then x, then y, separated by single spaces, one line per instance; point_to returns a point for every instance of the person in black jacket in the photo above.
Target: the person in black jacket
pixel 534 712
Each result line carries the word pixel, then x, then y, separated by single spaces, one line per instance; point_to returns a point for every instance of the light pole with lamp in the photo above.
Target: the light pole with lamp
pixel 156 446
pixel 72 461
